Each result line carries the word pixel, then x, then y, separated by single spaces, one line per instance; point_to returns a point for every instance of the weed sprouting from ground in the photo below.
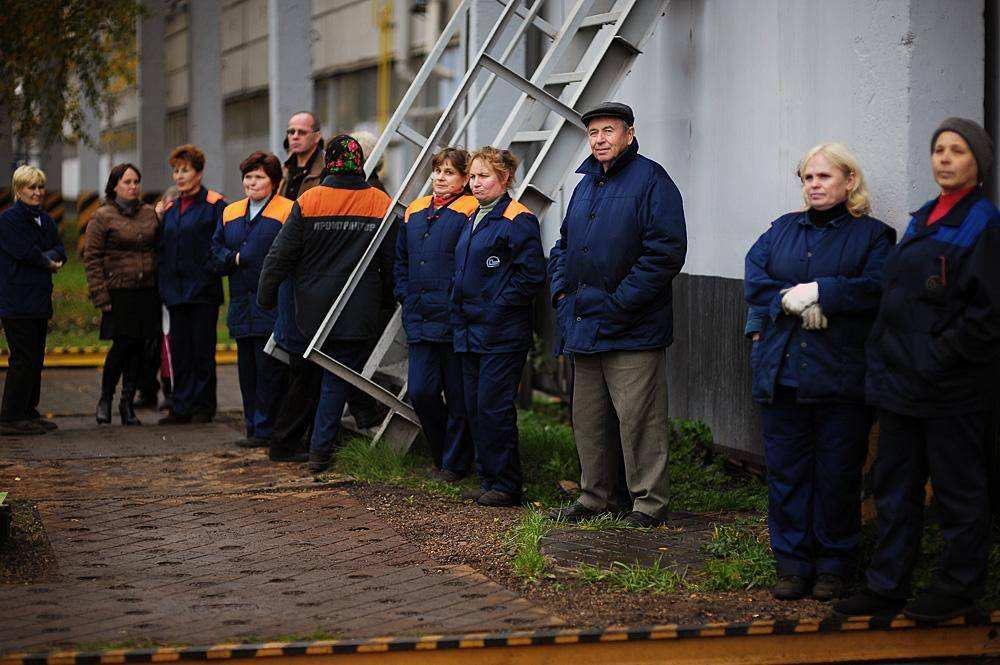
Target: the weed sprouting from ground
pixel 548 454
pixel 635 577
pixel 379 463
pixel 525 539
pixel 740 557
pixel 698 479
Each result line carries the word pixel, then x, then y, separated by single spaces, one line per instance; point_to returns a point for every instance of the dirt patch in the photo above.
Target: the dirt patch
pixel 28 557
pixel 453 532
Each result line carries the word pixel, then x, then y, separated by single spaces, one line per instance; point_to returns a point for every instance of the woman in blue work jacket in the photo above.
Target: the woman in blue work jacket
pixel 425 263
pixel 499 268
pixel 189 288
pixel 932 371
pixel 816 275
pixel 239 246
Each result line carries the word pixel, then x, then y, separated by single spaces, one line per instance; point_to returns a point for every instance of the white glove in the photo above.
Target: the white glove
pixel 813 318
pixel 800 296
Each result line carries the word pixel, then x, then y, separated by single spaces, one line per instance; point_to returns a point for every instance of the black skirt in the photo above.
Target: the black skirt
pixel 135 313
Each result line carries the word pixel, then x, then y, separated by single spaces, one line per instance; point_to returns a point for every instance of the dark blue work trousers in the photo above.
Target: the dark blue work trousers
pixel 192 352
pixel 433 368
pixel 952 452
pixel 814 455
pixel 263 380
pixel 490 381
pixel 333 395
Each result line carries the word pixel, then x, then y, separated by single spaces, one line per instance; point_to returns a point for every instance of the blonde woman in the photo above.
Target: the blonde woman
pixel 817 276
pixel 30 253
pixel 499 269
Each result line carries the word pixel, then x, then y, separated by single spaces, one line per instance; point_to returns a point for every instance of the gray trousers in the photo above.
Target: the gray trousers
pixel 634 384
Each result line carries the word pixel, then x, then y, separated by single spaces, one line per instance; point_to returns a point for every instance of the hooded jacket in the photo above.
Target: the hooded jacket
pixel 936 339
pixel 621 244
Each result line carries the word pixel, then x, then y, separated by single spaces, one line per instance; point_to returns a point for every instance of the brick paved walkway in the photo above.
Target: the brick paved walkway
pixel 174 535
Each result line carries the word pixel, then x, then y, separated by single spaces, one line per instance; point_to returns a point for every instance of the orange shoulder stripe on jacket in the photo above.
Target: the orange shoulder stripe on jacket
pixel 422 203
pixel 234 211
pixel 278 208
pixel 323 201
pixel 213 197
pixel 515 208
pixel 466 205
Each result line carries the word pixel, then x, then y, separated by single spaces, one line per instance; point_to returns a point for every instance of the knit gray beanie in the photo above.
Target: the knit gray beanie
pixel 977 138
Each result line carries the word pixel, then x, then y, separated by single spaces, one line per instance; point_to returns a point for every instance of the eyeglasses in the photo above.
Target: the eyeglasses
pixel 299 132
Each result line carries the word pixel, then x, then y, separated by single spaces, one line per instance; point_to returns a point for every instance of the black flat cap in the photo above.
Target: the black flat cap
pixel 610 110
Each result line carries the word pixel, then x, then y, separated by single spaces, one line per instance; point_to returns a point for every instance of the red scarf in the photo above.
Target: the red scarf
pixel 446 200
pixel 945 203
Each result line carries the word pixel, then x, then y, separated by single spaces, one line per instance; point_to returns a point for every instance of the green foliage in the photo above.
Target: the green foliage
pixel 548 454
pixel 61 56
pixel 740 557
pixel 525 539
pixel 699 481
pixel 635 577
pixel 366 463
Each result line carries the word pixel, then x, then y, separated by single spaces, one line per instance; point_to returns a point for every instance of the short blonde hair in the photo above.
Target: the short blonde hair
pixel 26 176
pixel 858 200
pixel 503 162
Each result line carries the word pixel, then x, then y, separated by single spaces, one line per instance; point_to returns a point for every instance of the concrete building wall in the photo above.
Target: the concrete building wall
pixel 730 94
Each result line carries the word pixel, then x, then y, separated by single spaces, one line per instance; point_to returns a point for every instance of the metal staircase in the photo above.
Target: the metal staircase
pixel 585 61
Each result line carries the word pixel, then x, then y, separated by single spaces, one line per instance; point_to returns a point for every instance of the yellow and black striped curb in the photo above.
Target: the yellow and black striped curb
pixel 93 356
pixel 781 641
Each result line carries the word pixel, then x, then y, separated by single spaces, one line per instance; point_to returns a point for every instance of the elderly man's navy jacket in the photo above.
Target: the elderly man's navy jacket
pixel 29 240
pixel 621 244
pixel 251 239
pixel 425 265
pixel 499 268
pixel 846 259
pixel 935 343
pixel 185 256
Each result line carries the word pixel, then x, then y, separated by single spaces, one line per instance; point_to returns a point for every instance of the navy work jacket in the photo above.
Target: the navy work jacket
pixel 935 344
pixel 29 239
pixel 251 239
pixel 185 256
pixel 847 260
pixel 621 244
pixel 325 236
pixel 499 268
pixel 425 265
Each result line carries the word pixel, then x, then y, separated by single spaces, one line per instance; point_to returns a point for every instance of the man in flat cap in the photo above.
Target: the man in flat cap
pixel 621 244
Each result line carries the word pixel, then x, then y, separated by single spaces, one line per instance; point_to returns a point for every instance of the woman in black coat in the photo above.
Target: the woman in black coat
pixel 30 253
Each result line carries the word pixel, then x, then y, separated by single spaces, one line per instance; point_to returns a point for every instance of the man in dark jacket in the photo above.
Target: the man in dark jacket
pixel 323 239
pixel 303 169
pixel 621 244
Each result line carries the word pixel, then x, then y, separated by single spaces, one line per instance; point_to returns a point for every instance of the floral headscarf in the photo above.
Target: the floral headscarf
pixel 344 156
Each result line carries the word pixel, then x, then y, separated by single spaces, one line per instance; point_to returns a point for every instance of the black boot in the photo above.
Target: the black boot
pixel 127 409
pixel 103 414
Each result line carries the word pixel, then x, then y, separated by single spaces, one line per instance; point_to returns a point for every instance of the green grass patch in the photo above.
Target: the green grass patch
pixel 548 454
pixel 379 463
pixel 635 577
pixel 699 481
pixel 525 539
pixel 740 557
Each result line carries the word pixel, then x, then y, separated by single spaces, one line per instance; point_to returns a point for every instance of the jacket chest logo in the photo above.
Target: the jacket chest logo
pixel 493 262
